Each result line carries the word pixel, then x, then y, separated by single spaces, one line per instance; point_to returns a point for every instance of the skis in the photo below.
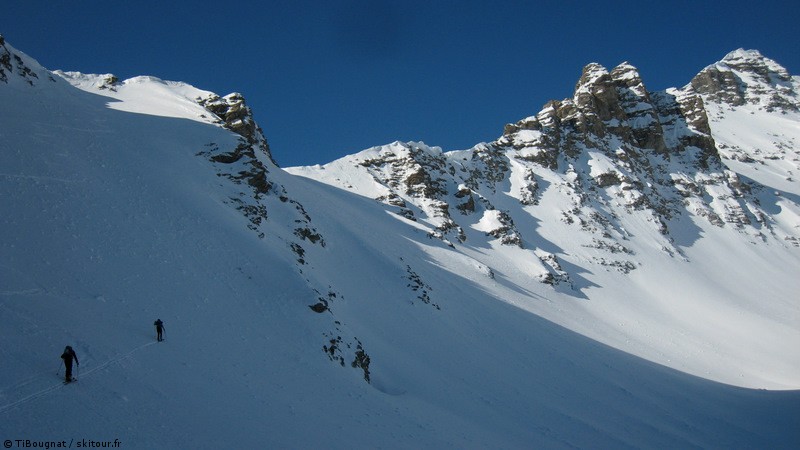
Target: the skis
pixel 70 381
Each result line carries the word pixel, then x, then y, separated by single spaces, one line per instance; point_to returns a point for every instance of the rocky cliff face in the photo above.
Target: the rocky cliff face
pixel 611 154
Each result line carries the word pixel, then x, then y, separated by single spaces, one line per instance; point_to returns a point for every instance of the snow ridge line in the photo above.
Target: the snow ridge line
pixel 41 393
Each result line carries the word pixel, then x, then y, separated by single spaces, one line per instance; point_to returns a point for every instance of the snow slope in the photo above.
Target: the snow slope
pixel 113 215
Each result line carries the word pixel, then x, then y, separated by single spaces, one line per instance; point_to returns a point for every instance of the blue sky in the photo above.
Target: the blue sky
pixel 330 78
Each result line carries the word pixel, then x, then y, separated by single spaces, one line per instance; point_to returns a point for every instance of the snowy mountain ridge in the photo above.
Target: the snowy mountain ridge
pixel 618 270
pixel 614 150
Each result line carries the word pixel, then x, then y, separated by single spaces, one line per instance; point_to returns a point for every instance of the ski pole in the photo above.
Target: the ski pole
pixel 59 369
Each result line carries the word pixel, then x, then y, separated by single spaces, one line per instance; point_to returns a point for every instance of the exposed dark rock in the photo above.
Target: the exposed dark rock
pixel 235 115
pixel 320 307
pixel 11 64
pixel 361 360
pixel 721 86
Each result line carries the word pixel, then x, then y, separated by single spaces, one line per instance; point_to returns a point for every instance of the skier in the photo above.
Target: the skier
pixel 68 356
pixel 159 329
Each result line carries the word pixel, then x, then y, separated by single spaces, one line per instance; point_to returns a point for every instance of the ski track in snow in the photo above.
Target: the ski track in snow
pixel 38 178
pixel 52 388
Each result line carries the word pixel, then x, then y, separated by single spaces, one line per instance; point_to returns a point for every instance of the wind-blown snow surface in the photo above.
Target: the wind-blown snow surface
pixel 110 219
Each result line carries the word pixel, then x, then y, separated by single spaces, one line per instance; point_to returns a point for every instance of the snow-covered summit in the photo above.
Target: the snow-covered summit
pixel 753 61
pixel 145 95
pixel 747 77
pixel 154 96
pixel 753 105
